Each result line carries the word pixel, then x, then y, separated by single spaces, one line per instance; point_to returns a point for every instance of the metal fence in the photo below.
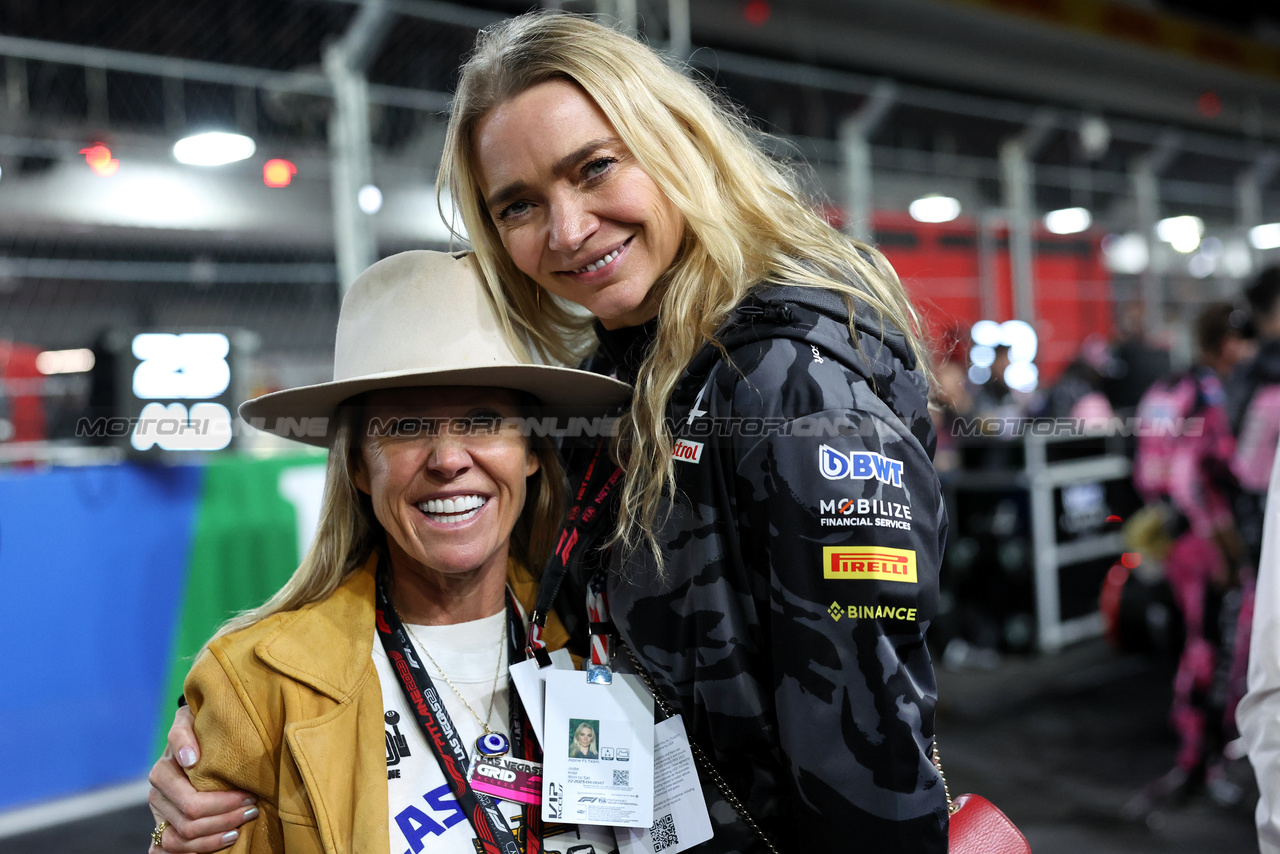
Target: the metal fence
pixel 354 94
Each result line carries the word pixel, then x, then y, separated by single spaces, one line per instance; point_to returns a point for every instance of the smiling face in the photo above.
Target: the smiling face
pixel 447 481
pixel 573 207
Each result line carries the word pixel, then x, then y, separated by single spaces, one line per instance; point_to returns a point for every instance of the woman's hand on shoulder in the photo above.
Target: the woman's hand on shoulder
pixel 198 821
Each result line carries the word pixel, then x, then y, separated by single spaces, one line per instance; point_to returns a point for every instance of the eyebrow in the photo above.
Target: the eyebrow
pixel 559 167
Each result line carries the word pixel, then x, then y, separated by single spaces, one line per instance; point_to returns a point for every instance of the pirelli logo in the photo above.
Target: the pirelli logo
pixel 869 562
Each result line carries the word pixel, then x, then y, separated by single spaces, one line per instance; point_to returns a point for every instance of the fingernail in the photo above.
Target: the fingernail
pixel 248 802
pixel 253 813
pixel 230 836
pixel 186 757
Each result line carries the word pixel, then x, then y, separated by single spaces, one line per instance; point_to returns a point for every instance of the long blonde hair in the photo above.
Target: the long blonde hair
pixel 349 532
pixel 746 221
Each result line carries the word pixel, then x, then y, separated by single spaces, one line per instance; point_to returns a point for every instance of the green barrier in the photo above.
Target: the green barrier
pixel 245 548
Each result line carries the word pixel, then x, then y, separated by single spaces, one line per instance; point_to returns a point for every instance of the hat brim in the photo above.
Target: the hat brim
pixel 565 389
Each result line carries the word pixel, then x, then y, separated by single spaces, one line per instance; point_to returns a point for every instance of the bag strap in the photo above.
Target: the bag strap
pixel 701 757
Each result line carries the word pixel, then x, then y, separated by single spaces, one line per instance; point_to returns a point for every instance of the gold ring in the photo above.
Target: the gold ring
pixel 157 835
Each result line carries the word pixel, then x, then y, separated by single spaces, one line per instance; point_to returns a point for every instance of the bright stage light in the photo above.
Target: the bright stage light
pixel 1265 236
pixel 934 209
pixel 1183 233
pixel 1068 220
pixel 213 149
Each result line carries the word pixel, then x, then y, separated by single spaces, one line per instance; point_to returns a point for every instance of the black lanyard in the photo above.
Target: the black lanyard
pixel 589 511
pixel 492 831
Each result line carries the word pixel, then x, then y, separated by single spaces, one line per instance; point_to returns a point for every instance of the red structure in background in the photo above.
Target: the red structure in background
pixel 21 392
pixel 940 266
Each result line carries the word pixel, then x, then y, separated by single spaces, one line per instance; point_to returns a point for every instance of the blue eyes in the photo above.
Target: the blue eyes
pixel 513 209
pixel 596 168
pixel 592 171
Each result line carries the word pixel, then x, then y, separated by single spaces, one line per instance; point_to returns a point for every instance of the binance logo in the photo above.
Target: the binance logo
pixel 898 613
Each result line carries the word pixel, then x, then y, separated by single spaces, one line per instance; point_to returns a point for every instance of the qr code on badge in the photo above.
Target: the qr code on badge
pixel 622 778
pixel 663 833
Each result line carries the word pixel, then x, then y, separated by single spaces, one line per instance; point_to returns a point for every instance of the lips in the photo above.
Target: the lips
pixel 457 508
pixel 603 261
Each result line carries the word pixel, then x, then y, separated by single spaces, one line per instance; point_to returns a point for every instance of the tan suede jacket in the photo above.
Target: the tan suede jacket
pixel 290 710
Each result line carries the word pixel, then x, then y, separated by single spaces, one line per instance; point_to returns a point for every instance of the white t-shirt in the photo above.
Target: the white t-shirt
pixel 422 811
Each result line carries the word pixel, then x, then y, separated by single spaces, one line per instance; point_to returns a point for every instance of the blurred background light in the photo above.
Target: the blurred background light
pixel 1209 104
pixel 979 375
pixel 370 199
pixel 757 12
pixel 1265 236
pixel 1127 254
pixel 986 333
pixel 1021 339
pixel 1201 265
pixel 1022 376
pixel 1068 220
pixel 1237 260
pixel 1094 135
pixel 277 173
pixel 213 149
pixel 1023 343
pixel 1183 233
pixel 933 208
pixel 100 161
pixel 64 361
pixel 982 356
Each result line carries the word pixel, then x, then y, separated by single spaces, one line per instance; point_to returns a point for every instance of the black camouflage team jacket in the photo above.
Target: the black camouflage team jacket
pixel 802 556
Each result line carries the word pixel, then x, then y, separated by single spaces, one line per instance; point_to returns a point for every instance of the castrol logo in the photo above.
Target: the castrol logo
pixel 687 452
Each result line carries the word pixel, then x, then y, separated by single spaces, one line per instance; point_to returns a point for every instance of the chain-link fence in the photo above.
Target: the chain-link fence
pixel 92 242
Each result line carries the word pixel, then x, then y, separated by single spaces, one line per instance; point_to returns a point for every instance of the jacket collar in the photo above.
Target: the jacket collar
pixel 328 644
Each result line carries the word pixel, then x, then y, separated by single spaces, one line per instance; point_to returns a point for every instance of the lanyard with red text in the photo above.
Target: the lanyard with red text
pixel 588 512
pixel 492 831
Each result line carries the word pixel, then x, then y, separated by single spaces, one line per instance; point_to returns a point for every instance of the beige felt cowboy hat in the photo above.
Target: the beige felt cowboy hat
pixel 424 319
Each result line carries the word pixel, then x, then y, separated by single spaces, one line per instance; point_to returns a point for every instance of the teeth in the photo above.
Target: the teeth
pixel 450 507
pixel 452 517
pixel 596 265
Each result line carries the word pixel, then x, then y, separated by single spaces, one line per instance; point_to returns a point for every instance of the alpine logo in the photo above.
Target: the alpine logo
pixel 858 465
pixel 687 452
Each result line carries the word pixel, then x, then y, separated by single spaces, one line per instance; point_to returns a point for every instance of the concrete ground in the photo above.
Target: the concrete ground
pixel 1059 743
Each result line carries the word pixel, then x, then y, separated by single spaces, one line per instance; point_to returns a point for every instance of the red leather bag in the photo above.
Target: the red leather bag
pixel 977 826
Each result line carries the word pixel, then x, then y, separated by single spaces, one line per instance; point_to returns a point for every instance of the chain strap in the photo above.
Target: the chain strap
pixel 937 763
pixel 699 756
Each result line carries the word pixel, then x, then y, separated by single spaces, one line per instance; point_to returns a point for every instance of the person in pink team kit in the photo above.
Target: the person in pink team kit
pixel 1188 469
pixel 1253 403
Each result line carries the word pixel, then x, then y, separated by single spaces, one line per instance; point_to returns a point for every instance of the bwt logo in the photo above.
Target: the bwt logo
pixel 858 465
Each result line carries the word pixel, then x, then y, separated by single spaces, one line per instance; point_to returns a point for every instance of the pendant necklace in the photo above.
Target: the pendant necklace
pixel 491 743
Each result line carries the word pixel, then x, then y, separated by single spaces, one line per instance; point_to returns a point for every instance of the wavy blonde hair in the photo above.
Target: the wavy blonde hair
pixel 746 222
pixel 349 532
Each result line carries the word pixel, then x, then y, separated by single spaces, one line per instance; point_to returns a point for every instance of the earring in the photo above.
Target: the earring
pixel 537 295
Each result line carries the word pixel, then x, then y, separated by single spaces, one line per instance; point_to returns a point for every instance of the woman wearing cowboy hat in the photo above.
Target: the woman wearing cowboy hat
pixel 435 507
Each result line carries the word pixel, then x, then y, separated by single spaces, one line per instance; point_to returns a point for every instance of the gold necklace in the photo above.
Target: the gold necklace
pixel 491 743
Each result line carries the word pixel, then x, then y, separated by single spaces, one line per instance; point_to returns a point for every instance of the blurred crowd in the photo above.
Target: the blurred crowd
pixel 1202 453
